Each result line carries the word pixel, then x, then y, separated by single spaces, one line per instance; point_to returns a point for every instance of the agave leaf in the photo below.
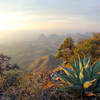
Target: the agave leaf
pixel 70 71
pixel 68 79
pixel 77 67
pixel 76 88
pixel 85 60
pixel 62 77
pixel 97 90
pixel 73 67
pixel 74 70
pixel 81 75
pixel 96 75
pixel 77 64
pixel 87 67
pixel 86 75
pixel 96 67
pixel 80 63
pixel 98 83
pixel 67 73
pixel 87 63
pixel 88 84
pixel 64 89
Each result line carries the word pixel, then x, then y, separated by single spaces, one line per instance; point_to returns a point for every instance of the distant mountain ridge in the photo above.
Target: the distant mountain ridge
pixel 25 52
pixel 45 63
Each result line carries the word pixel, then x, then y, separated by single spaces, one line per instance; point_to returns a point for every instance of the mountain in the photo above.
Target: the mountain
pixel 25 52
pixel 78 36
pixel 45 63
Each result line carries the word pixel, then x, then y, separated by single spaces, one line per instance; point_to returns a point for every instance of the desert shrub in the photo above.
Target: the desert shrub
pixel 12 78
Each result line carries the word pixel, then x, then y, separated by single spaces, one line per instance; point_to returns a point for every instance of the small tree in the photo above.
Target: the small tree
pixel 89 46
pixel 5 65
pixel 84 47
pixel 96 45
pixel 66 50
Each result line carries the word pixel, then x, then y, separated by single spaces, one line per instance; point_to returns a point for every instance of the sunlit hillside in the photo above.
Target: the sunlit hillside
pixel 44 64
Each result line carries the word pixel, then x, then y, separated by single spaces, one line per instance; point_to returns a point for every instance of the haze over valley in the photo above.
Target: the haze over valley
pixel 24 52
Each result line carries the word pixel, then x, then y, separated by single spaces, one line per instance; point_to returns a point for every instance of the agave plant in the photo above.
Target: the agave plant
pixel 82 78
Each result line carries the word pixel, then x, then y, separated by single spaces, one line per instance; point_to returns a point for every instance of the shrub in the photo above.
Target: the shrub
pixel 83 79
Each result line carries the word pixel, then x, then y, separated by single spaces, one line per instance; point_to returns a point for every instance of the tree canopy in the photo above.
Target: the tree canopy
pixel 66 50
pixel 5 65
pixel 90 46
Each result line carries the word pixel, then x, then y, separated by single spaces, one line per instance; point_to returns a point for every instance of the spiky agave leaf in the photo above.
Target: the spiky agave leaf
pixel 96 67
pixel 97 88
pixel 87 70
pixel 87 84
pixel 69 79
pixel 96 75
pixel 85 60
pixel 87 66
pixel 79 75
pixel 80 63
pixel 77 65
pixel 76 88
pixel 67 70
pixel 86 75
pixel 73 68
pixel 71 72
pixel 71 89
pixel 64 89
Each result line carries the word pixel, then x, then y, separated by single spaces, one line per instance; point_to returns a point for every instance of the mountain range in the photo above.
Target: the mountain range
pixel 38 51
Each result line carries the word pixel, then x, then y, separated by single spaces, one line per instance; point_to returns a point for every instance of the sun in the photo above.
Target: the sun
pixel 9 21
pixel 16 21
pixel 5 22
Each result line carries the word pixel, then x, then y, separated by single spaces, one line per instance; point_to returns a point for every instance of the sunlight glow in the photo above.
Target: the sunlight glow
pixel 7 22
pixel 17 21
pixel 11 21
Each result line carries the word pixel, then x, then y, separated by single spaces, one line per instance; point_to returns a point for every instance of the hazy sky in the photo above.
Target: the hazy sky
pixel 24 16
